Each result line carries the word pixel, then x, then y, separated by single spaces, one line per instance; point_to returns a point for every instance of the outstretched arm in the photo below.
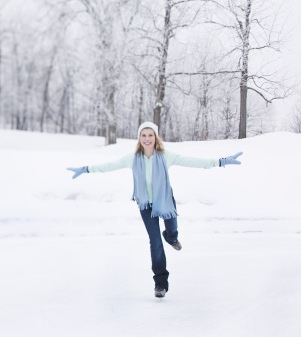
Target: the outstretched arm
pixel 173 158
pixel 124 162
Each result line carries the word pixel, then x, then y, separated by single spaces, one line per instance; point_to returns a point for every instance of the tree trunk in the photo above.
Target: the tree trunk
pixel 111 134
pixel 162 66
pixel 228 119
pixel 202 115
pixel 196 131
pixel 245 32
pixel 45 105
pixel 243 112
pixel 63 109
pixel 0 81
pixel 111 124
pixel 141 99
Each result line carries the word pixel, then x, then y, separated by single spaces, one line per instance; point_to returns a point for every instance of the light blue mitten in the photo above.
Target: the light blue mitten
pixel 78 171
pixel 231 160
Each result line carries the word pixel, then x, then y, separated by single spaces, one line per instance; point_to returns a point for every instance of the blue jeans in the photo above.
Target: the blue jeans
pixel 156 245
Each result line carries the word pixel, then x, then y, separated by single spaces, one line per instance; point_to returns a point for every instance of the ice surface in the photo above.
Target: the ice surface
pixel 74 254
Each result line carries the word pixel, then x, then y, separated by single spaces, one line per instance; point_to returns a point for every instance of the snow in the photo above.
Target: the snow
pixel 74 254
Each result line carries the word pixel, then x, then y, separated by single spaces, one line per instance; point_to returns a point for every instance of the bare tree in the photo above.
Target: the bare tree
pixel 255 32
pixel 2 37
pixel 295 123
pixel 47 78
pixel 159 34
pixel 201 123
pixel 160 92
pixel 110 31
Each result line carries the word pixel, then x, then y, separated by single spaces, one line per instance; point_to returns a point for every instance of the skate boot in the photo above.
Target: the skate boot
pixel 159 291
pixel 176 244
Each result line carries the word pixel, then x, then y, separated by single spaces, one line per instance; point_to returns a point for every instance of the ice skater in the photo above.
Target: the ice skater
pixel 153 193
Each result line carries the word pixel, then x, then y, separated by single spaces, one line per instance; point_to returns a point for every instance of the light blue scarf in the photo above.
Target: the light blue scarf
pixel 163 205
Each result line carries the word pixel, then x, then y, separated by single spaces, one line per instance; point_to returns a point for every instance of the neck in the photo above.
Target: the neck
pixel 148 152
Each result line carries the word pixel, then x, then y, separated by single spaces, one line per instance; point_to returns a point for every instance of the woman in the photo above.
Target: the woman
pixel 153 193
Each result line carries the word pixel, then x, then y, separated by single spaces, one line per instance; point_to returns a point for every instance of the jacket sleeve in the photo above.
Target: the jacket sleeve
pixel 124 162
pixel 173 158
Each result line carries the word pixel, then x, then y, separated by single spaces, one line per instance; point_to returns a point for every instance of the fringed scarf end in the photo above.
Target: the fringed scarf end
pixel 165 216
pixel 142 205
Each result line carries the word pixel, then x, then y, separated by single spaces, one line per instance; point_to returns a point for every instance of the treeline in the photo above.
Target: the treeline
pixel 199 69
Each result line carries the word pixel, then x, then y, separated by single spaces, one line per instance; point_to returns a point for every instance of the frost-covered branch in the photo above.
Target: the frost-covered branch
pixel 286 94
pixel 220 72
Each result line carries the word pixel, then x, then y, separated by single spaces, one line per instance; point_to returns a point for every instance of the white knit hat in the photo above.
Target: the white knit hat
pixel 148 125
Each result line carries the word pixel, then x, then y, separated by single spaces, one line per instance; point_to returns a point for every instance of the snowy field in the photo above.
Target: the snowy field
pixel 74 254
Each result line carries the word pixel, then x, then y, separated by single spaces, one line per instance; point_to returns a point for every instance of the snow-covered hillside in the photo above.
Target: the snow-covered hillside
pixel 74 254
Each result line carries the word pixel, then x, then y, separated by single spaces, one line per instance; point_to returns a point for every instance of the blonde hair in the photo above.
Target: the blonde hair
pixel 159 146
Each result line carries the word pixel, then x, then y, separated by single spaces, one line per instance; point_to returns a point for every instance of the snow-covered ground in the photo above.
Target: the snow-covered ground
pixel 74 254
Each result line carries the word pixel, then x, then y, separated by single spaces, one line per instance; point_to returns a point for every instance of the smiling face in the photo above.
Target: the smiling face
pixel 147 140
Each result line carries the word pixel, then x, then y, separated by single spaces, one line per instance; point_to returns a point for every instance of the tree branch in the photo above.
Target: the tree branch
pixel 205 73
pixel 267 100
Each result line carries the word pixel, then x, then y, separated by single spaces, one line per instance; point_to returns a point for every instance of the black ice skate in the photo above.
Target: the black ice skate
pixel 160 292
pixel 176 245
